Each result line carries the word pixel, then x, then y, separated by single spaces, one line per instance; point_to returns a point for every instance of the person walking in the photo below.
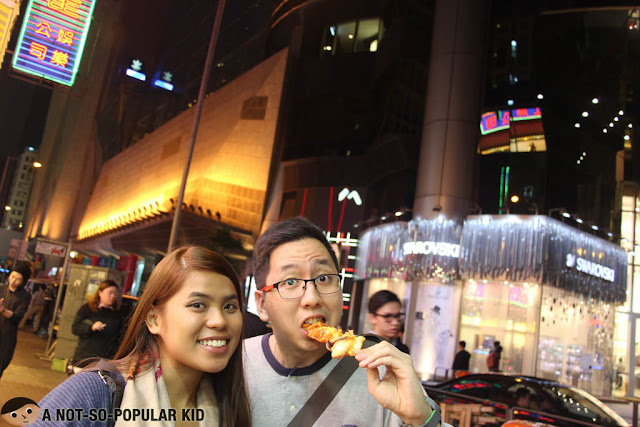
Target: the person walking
pixel 461 361
pixel 386 316
pixel 14 301
pixel 493 360
pixel 35 310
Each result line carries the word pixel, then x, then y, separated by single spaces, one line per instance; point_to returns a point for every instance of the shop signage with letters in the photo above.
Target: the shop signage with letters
pixel 51 249
pixel 431 248
pixel 591 268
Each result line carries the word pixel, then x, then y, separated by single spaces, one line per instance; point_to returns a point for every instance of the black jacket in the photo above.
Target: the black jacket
pixel 97 343
pixel 461 362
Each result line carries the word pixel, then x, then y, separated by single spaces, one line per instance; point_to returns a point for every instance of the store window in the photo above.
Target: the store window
pixel 362 35
pixel 500 311
pixel 576 340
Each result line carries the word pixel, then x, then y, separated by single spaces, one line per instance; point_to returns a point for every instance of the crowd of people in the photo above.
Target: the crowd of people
pixel 185 344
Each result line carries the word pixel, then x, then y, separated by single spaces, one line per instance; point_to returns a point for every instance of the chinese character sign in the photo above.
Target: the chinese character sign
pixel 52 39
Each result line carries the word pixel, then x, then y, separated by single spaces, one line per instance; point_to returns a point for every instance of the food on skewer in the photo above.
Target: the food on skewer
pixel 338 343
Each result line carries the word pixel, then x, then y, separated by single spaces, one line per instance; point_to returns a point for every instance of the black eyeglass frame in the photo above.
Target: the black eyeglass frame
pixel 387 317
pixel 304 287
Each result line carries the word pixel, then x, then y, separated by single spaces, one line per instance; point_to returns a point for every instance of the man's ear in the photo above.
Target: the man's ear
pixel 152 321
pixel 372 318
pixel 260 305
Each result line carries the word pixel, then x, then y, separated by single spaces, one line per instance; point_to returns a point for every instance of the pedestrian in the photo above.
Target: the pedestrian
pixel 14 301
pixel 493 360
pixel 98 324
pixel 35 310
pixel 298 284
pixel 461 361
pixel 620 368
pixel 386 316
pixel 182 349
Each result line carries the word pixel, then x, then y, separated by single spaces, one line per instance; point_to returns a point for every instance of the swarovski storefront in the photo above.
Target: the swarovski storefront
pixel 546 291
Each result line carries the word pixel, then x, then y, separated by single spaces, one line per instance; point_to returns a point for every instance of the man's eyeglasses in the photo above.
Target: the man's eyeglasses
pixel 294 288
pixel 389 317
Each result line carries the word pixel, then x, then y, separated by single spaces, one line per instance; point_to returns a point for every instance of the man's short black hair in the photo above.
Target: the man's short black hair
pixel 522 392
pixel 288 230
pixel 15 404
pixel 381 298
pixel 463 344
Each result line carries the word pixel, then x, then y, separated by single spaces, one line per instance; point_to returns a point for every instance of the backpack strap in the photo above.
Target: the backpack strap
pixel 332 384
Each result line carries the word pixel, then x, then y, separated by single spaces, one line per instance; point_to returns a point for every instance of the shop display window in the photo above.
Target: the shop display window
pixel 576 340
pixel 500 311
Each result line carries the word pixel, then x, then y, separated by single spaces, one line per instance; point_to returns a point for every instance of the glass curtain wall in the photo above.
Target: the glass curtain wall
pixel 500 311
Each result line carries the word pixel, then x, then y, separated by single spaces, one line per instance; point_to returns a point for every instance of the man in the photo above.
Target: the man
pixel 461 361
pixel 14 301
pixel 296 273
pixel 386 317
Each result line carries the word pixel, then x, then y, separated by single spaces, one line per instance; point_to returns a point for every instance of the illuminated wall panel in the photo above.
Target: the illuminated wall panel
pixel 9 10
pixel 52 39
pixel 230 166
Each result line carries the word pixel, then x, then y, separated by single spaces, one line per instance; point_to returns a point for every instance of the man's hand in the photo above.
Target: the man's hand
pixel 399 390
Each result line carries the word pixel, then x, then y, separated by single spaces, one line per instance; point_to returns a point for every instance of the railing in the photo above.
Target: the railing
pixel 511 412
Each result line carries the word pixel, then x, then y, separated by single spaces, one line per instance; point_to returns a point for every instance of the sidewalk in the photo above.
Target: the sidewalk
pixel 27 375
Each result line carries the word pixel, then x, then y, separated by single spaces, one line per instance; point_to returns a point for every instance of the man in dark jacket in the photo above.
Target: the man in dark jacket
pixel 461 361
pixel 14 301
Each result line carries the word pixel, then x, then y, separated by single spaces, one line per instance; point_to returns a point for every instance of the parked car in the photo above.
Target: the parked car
pixel 538 399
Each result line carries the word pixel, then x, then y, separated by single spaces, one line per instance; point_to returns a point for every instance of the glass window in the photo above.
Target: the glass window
pixel 367 37
pixel 345 36
pixel 328 41
pixel 353 36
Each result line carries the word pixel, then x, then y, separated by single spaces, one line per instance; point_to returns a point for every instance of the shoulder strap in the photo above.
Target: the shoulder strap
pixel 116 390
pixel 324 394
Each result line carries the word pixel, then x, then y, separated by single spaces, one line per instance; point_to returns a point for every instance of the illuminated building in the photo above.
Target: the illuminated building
pixel 17 202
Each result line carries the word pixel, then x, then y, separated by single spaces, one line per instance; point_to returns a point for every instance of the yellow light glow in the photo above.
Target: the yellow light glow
pixel 515 199
pixel 7 208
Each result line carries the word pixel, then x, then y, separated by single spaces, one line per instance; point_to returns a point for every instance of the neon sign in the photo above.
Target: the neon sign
pixel 52 39
pixel 495 121
pixel 8 13
pixel 431 248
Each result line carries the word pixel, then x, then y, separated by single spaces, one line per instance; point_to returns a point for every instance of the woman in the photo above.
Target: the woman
pixel 181 350
pixel 98 324
pixel 385 314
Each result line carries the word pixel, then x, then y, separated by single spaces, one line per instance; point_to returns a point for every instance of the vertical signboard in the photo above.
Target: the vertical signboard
pixel 9 10
pixel 52 39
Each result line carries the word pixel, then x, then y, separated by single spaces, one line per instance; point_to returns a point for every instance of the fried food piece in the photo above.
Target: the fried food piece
pixel 338 343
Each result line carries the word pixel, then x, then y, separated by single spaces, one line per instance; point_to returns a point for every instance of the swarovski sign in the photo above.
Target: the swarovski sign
pixel 591 268
pixel 431 248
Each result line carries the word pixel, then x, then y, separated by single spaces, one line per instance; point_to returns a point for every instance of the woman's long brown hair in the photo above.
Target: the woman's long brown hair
pixel 165 280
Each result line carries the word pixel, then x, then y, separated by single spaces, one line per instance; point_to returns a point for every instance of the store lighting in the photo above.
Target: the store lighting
pixel 73 254
pixel 627 137
pixel 579 221
pixel 578 161
pixel 595 227
pixel 540 96
pixel 615 119
pixel 399 213
pixel 510 102
pixel 630 126
pixel 594 101
pixel 37 164
pixel 577 125
pixel 604 130
pixel 383 218
pixel 610 124
pixel 584 153
pixel 7 208
pixel 621 113
pixel 515 199
pixel 585 114
pixel 610 234
pixel 566 214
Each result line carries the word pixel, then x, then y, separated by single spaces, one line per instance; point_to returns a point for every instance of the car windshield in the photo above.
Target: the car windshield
pixel 581 405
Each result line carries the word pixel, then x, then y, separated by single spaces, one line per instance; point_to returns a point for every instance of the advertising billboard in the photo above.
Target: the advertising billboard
pixel 52 39
pixel 9 10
